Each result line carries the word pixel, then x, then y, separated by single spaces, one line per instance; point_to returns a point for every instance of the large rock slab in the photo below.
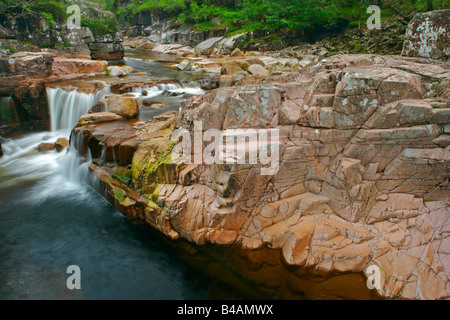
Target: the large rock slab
pixel 32 64
pixel 62 66
pixel 362 173
pixel 428 35
pixel 207 47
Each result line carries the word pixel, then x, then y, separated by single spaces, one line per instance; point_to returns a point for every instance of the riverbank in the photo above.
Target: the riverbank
pixel 360 173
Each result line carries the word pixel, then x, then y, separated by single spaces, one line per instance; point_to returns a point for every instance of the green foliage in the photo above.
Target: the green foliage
pixel 100 27
pixel 51 10
pixel 11 49
pixel 160 5
pixel 48 17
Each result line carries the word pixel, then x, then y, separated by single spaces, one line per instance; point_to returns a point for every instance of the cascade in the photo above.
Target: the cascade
pixel 66 107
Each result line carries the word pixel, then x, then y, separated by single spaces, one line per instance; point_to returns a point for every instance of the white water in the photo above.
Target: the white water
pixel 192 88
pixel 66 108
pixel 23 163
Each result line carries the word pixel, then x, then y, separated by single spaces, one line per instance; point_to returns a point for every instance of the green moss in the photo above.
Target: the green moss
pixel 124 175
pixel 11 49
pixel 164 158
pixel 119 194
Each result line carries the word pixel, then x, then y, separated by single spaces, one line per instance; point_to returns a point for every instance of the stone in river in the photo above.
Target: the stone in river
pixel 46 146
pixel 61 144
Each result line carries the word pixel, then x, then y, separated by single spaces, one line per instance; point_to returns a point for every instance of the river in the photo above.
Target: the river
pixel 50 219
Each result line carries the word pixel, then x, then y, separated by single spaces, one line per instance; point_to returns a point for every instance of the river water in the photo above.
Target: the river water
pixel 50 219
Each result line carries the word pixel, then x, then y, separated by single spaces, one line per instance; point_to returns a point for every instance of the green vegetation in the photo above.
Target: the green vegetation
pixel 268 19
pixel 120 194
pixel 100 27
pixel 51 10
pixel 272 16
pixel 124 175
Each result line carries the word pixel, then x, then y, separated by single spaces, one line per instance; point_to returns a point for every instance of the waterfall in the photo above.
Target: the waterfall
pixel 66 107
pixel 191 88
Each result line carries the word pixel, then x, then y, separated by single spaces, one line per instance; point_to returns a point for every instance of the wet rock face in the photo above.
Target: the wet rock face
pixel 428 35
pixel 108 47
pixel 31 64
pixel 62 66
pixel 112 52
pixel 363 176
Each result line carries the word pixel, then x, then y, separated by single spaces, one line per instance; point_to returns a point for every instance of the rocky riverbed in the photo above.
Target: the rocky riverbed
pixel 362 157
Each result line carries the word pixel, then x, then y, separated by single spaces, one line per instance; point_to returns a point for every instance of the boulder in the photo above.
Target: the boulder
pixel 258 70
pixel 237 53
pixel 185 65
pixel 428 35
pixel 1 151
pixel 122 106
pixel 227 45
pixel 119 71
pixel 231 68
pixel 61 144
pixel 207 47
pixel 46 147
pixel 255 60
pixel 100 117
